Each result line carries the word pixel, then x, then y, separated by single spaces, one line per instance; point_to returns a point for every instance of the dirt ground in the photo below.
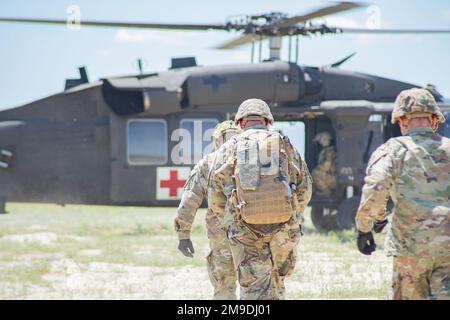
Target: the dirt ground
pixel 100 252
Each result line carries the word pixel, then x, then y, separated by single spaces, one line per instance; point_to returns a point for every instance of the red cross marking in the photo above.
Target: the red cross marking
pixel 173 183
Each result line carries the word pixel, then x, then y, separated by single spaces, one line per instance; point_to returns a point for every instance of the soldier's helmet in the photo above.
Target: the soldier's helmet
pixel 323 138
pixel 414 102
pixel 224 131
pixel 253 107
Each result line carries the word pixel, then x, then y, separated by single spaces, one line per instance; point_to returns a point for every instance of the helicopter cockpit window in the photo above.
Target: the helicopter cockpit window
pixel 200 134
pixel 147 142
pixel 295 131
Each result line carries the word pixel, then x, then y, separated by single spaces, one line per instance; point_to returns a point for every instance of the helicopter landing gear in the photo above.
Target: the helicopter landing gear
pixel 324 219
pixel 346 212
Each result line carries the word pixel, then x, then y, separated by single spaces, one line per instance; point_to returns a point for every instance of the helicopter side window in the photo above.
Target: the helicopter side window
pixel 147 142
pixel 200 134
pixel 295 131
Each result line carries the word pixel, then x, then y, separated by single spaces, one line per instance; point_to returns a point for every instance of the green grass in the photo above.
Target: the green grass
pixel 50 251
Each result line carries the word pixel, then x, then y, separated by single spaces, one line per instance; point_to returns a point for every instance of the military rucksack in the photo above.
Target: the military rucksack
pixel 264 168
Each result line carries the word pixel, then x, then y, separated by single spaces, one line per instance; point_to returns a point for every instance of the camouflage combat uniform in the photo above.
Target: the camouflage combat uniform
pixel 324 175
pixel 414 170
pixel 263 254
pixel 219 261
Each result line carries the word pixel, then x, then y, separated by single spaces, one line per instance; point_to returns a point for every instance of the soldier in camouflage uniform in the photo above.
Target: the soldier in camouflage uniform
pixel 414 170
pixel 324 175
pixel 219 260
pixel 264 254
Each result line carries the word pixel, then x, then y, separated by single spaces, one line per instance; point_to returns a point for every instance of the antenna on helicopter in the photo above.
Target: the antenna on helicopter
pixel 140 66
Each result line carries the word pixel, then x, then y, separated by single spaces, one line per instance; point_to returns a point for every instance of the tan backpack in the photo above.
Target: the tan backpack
pixel 263 193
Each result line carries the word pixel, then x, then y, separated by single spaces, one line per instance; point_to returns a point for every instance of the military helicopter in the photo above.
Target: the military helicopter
pixel 116 141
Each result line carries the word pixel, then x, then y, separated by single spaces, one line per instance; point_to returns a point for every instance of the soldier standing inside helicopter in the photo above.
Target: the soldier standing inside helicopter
pixel 266 186
pixel 414 171
pixel 324 174
pixel 219 261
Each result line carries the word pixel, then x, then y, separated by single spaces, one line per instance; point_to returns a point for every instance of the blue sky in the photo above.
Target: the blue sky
pixel 36 59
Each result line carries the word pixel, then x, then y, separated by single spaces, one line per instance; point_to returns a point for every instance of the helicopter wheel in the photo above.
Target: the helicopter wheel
pixel 324 219
pixel 347 212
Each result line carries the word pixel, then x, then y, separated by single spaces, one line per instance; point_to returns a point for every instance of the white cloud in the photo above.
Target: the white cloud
pixel 128 36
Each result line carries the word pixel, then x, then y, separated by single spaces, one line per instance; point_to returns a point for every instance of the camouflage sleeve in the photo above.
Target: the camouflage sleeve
pixel 222 180
pixel 302 177
pixel 304 187
pixel 194 191
pixel 378 182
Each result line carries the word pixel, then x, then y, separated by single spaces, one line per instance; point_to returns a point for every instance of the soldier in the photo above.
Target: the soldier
pixel 266 186
pixel 219 261
pixel 324 175
pixel 414 171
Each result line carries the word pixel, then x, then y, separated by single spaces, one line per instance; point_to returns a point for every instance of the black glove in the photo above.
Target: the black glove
pixel 366 243
pixel 378 226
pixel 186 247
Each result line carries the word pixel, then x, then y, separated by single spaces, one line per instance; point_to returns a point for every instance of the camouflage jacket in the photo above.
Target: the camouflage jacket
pixel 414 170
pixel 223 181
pixel 195 189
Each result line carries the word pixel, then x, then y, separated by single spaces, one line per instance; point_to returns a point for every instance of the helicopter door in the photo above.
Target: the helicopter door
pixel 152 157
pixel 138 146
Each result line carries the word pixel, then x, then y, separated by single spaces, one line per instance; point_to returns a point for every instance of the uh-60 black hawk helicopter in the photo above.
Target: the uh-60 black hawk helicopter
pixel 112 141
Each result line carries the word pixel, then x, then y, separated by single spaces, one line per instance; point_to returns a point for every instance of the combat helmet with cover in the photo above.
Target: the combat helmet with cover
pixel 323 138
pixel 253 107
pixel 414 103
pixel 223 131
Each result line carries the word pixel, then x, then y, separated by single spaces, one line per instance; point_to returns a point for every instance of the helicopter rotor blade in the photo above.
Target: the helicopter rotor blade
pixel 338 7
pixel 244 39
pixel 160 26
pixel 393 31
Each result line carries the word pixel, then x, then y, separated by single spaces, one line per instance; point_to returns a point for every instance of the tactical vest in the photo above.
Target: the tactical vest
pixel 263 169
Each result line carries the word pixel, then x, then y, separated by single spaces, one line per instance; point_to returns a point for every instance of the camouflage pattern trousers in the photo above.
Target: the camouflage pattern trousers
pixel 264 260
pixel 220 261
pixel 417 278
